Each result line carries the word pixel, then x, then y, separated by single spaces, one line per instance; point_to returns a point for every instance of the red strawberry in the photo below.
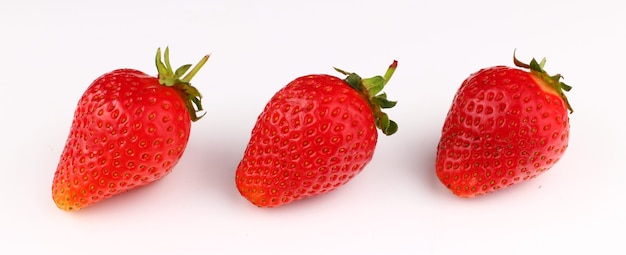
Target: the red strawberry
pixel 313 136
pixel 129 129
pixel 506 125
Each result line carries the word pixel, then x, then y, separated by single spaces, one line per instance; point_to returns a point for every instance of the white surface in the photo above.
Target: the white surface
pixel 52 50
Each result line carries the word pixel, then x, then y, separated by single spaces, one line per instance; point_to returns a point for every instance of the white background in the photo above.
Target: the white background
pixel 52 50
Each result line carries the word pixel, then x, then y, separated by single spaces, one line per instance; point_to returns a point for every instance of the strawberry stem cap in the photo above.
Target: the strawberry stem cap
pixel 553 81
pixel 174 78
pixel 370 89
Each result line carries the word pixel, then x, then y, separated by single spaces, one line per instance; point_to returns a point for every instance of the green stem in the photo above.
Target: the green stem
pixel 390 71
pixel 195 69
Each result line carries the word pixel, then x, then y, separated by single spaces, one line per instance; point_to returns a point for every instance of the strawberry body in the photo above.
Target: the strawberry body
pixel 128 130
pixel 506 125
pixel 313 136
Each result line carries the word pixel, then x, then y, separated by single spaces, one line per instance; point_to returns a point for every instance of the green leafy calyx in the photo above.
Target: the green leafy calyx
pixel 554 81
pixel 370 89
pixel 180 80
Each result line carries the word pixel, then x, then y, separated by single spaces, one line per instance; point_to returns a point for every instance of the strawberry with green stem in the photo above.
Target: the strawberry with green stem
pixel 129 130
pixel 506 125
pixel 314 135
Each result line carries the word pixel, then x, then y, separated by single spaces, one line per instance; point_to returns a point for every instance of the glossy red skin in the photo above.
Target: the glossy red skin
pixel 128 131
pixel 313 136
pixel 501 129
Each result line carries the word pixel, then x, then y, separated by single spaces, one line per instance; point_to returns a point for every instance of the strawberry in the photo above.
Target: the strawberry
pixel 506 125
pixel 314 135
pixel 129 130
